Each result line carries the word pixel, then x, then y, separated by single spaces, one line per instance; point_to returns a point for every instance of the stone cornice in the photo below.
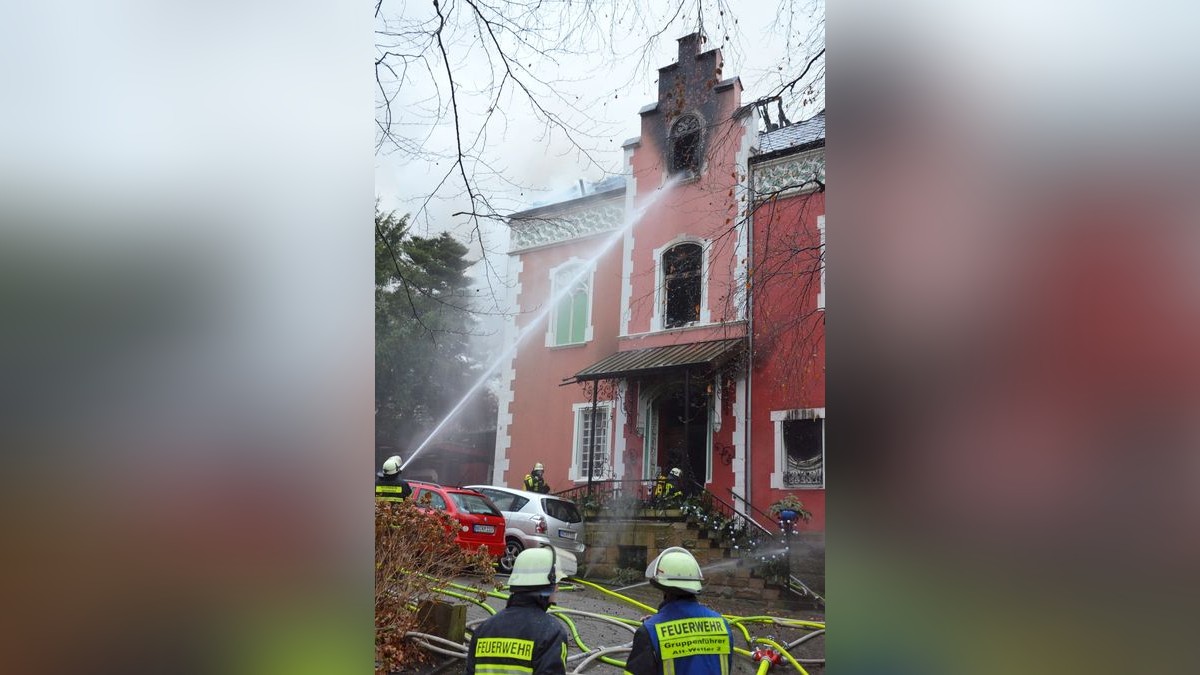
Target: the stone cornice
pixel 790 174
pixel 551 227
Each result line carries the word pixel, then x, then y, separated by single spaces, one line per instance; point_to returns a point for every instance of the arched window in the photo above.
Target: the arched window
pixel 570 320
pixel 682 267
pixel 685 145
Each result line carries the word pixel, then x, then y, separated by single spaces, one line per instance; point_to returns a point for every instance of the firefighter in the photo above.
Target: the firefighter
pixel 522 637
pixel 534 482
pixel 389 486
pixel 684 637
pixel 672 488
pixel 659 493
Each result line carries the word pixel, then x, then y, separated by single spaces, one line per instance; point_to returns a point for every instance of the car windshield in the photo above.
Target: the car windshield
pixel 476 504
pixel 562 510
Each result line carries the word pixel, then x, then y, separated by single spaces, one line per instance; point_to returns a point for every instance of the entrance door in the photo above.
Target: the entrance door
pixel 682 438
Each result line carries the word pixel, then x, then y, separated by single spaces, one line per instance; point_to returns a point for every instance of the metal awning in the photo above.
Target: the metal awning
pixel 659 359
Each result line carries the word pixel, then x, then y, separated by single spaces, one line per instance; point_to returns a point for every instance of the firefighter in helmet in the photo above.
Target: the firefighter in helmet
pixel 672 490
pixel 684 637
pixel 389 486
pixel 535 482
pixel 522 637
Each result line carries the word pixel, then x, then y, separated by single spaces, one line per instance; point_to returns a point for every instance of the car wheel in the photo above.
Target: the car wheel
pixel 511 548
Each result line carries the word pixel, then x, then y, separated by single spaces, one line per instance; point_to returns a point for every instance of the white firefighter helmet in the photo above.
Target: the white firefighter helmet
pixel 676 568
pixel 391 465
pixel 538 467
pixel 676 472
pixel 534 569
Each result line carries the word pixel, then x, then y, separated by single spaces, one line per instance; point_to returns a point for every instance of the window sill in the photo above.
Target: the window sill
pixel 569 345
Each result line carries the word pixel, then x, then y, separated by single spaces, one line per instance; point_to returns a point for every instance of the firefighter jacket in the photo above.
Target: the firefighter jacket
pixel 671 489
pixel 683 638
pixel 391 488
pixel 521 639
pixel 536 484
pixel 660 486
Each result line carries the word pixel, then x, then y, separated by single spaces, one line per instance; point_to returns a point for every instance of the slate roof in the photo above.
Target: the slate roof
pixel 809 131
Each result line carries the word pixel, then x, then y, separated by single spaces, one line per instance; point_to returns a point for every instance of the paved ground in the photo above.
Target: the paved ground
pixel 597 633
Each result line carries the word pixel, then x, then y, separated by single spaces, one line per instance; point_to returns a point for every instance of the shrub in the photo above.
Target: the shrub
pixel 414 549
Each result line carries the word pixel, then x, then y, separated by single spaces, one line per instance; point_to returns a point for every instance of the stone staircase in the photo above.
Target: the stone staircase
pixel 619 546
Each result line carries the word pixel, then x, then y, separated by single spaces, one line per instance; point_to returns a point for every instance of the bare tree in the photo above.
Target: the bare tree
pixel 454 76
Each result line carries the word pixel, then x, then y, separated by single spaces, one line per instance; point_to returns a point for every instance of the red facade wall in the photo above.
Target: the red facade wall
pixel 789 336
pixel 701 208
pixel 542 426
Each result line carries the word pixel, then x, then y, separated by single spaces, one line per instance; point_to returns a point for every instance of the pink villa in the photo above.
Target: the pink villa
pixel 698 334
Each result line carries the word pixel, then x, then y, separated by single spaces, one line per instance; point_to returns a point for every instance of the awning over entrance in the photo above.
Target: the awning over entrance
pixel 660 359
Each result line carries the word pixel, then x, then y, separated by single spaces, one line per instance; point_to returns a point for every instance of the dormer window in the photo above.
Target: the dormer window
pixel 685 145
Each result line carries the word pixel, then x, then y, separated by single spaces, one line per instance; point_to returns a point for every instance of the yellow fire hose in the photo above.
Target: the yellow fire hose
pixel 601 653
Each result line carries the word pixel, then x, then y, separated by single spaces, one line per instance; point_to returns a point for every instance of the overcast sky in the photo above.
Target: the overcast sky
pixel 600 98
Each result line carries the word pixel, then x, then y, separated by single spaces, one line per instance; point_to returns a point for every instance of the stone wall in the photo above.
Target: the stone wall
pixel 614 545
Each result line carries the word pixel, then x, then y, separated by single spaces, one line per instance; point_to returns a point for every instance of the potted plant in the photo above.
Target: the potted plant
pixel 789 508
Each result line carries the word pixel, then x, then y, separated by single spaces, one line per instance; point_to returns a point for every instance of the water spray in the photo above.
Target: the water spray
pixel 585 269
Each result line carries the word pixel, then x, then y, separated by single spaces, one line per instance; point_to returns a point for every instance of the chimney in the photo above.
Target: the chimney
pixel 689 47
pixel 581 190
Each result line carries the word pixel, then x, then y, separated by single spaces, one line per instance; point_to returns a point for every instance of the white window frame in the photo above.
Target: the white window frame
pixel 778 417
pixel 590 280
pixel 605 450
pixel 659 317
pixel 821 262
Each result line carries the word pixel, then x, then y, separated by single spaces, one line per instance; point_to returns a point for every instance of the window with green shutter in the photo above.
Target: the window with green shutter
pixel 571 312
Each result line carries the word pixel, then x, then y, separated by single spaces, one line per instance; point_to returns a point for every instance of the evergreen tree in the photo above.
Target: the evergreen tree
pixel 423 322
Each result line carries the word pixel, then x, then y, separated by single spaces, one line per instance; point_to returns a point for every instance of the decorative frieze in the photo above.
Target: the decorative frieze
pixel 797 173
pixel 543 230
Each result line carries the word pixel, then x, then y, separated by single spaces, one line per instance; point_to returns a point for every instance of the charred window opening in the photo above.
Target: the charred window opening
pixel 685 145
pixel 682 280
pixel 804 450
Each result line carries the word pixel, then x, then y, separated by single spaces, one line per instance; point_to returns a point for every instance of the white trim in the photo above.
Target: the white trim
pixel 821 261
pixel 504 398
pixel 574 474
pixel 739 440
pixel 741 198
pixel 619 431
pixel 627 256
pixel 778 417
pixel 658 315
pixel 554 289
pixel 715 416
pixel 708 446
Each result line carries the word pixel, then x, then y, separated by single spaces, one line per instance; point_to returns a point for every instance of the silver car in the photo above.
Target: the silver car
pixel 533 520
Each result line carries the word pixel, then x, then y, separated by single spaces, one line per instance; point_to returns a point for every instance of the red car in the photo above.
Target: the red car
pixel 480 522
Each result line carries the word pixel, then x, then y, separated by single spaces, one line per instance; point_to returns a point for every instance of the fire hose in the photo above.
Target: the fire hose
pixel 764 651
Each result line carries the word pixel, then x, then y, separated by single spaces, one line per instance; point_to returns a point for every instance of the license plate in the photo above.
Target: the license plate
pixel 568 534
pixel 485 529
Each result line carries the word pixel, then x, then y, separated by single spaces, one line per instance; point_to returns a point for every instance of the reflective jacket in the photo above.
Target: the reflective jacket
pixel 391 488
pixel 671 489
pixel 660 486
pixel 535 484
pixel 683 638
pixel 521 639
